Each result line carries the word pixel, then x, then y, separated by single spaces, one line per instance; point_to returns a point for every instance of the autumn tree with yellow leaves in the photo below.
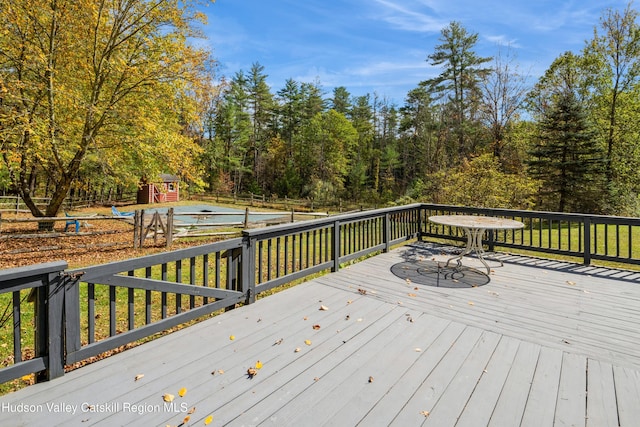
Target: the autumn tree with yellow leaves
pixel 105 88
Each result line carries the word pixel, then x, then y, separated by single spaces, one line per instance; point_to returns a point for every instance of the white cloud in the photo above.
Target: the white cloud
pixel 406 19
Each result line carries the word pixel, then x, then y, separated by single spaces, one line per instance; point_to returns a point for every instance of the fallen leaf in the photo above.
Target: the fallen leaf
pixel 192 410
pixel 347 317
pixel 258 365
pixel 359 319
pixel 569 282
pixel 316 327
pixel 471 303
pixel 139 376
pixel 412 295
pixel 208 420
pixel 305 318
pixel 278 342
pixel 252 372
pixel 362 291
pixel 182 392
pixel 186 419
pixel 297 350
pixel 167 397
pixel 232 337
pixel 349 302
pixel 324 308
pixel 425 413
pixel 307 342
pixel 370 379
pixel 221 371
pixel 418 349
pixel 316 379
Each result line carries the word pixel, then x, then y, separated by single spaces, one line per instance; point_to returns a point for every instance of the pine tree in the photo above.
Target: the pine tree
pixel 565 158
pixel 458 82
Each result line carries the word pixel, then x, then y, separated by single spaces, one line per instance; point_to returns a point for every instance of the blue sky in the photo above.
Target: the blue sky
pixel 381 46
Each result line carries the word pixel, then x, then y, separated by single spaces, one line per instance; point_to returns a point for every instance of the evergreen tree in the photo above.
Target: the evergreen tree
pixel 261 109
pixel 565 158
pixel 458 82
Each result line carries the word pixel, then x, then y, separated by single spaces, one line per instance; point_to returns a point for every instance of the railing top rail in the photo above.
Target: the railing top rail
pixel 32 270
pixel 156 259
pixel 13 279
pixel 318 223
pixel 537 214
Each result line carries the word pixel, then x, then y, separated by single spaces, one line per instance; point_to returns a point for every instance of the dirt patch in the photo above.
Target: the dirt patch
pixel 98 242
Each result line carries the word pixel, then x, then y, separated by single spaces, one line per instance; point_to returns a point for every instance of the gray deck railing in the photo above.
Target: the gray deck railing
pixel 83 313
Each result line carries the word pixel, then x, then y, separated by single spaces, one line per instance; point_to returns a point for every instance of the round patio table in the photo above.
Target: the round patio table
pixel 474 227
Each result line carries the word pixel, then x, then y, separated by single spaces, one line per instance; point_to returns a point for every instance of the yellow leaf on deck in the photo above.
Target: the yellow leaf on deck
pixel 307 342
pixel 208 420
pixel 232 337
pixel 316 327
pixel 167 397
pixel 186 419
pixel 182 392
pixel 139 376
pixel 258 365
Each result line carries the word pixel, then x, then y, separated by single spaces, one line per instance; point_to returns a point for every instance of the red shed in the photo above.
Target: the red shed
pixel 168 191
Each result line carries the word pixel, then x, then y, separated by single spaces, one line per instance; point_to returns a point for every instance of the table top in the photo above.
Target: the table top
pixel 474 221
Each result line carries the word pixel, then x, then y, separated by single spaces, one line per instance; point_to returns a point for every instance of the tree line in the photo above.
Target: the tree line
pixel 131 100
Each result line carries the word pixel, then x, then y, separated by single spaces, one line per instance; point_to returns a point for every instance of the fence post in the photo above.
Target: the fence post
pixel 136 231
pixel 169 235
pixel 586 259
pixel 143 233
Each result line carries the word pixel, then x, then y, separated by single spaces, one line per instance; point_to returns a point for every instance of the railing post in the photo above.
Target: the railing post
pixel 491 242
pixel 386 232
pixel 49 321
pixel 420 223
pixel 248 268
pixel 586 250
pixel 336 246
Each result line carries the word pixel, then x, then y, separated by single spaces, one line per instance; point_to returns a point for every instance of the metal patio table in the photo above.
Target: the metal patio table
pixel 474 227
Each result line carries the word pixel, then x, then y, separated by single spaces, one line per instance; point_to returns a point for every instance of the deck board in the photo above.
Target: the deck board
pixel 544 343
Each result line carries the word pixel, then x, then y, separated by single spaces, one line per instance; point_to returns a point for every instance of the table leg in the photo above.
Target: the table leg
pixel 474 244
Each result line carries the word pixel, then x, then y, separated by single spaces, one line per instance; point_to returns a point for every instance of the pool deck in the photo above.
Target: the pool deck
pixel 543 343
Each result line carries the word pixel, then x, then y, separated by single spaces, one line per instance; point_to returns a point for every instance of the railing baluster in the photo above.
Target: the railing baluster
pixel 178 280
pixel 163 295
pixel 91 313
pixel 112 310
pixel 17 325
pixel 131 305
pixel 192 280
pixel 147 299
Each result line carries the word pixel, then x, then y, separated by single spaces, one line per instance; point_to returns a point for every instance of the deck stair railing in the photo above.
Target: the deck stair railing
pixel 83 313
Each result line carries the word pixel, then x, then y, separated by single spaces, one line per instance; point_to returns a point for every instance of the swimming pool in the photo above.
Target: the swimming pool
pixel 227 215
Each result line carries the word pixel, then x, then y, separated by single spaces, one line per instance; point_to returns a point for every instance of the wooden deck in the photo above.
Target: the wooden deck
pixel 543 343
